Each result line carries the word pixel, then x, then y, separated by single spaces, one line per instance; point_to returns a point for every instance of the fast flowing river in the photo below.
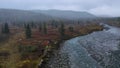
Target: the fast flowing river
pixel 89 51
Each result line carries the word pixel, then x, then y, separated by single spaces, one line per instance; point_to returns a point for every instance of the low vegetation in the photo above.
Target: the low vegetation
pixel 31 45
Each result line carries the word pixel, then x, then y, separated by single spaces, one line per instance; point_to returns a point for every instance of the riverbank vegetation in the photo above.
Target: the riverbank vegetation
pixel 30 45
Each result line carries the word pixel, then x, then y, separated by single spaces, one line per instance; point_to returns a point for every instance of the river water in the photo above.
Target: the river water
pixel 89 51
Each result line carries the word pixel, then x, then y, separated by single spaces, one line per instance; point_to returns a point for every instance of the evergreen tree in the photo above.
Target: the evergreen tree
pixel 28 31
pixel 5 28
pixel 24 25
pixel 71 29
pixel 54 24
pixel 32 25
pixel 40 27
pixel 2 29
pixel 45 28
pixel 62 31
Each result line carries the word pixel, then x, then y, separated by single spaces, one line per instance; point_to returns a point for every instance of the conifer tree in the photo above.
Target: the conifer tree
pixel 44 28
pixel 71 29
pixel 62 31
pixel 40 27
pixel 5 28
pixel 28 31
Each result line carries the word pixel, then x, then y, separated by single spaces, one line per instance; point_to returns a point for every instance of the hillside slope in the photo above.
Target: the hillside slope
pixel 72 15
pixel 12 15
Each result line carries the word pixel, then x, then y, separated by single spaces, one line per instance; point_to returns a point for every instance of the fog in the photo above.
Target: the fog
pixel 97 7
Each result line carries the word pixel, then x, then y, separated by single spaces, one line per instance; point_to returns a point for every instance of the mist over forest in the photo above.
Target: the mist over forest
pixel 59 34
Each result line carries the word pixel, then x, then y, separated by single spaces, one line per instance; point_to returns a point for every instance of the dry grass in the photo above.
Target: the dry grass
pixel 13 60
pixel 11 47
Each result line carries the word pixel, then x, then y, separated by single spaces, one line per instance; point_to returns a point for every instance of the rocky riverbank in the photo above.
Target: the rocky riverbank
pixel 89 51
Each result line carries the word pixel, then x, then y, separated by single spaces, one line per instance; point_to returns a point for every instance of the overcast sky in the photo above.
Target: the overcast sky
pixel 97 7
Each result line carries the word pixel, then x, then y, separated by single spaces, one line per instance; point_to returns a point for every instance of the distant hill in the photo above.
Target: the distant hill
pixel 72 15
pixel 12 15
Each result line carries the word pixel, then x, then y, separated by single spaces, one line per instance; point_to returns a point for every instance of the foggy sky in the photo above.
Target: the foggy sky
pixel 97 7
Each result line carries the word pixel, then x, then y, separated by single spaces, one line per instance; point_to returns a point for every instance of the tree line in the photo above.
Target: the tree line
pixel 42 27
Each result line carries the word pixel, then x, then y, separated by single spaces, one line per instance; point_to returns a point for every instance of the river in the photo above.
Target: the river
pixel 89 51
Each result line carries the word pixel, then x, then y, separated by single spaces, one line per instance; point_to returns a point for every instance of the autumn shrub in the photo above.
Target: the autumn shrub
pixel 27 48
pixel 27 51
pixel 0 66
pixel 71 29
pixel 90 28
pixel 67 37
pixel 27 64
pixel 4 37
